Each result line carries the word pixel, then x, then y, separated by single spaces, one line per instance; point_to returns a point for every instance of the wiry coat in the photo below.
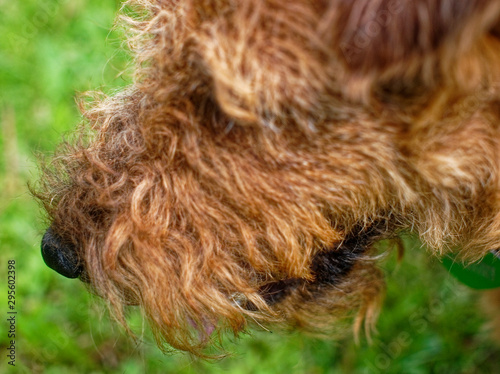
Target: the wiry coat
pixel 265 145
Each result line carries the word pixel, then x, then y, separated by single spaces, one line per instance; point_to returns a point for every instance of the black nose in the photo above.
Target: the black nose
pixel 60 256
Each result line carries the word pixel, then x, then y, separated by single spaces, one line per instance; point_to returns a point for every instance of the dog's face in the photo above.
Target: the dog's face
pixel 265 147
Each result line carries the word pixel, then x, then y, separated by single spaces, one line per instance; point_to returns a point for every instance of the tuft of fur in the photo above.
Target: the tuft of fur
pixel 259 136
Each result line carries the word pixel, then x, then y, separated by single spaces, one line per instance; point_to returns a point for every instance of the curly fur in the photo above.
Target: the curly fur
pixel 263 139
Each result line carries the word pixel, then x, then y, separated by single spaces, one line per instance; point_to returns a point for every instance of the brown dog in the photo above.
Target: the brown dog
pixel 263 149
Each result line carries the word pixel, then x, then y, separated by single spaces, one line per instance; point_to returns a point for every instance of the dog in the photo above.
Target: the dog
pixel 262 151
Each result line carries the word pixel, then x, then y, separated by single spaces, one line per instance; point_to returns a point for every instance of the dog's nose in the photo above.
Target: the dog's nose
pixel 60 256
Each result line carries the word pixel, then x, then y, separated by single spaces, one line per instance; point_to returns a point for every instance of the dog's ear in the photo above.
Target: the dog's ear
pixel 379 34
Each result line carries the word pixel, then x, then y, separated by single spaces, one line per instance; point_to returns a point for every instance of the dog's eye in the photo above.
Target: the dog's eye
pixel 495 30
pixel 401 92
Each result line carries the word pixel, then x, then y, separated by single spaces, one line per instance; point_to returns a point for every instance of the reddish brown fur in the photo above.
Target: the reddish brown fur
pixel 257 134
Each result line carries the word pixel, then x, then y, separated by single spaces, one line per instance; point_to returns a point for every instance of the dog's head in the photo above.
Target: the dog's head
pixel 263 149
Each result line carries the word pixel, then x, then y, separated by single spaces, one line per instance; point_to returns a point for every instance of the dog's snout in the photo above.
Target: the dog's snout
pixel 60 256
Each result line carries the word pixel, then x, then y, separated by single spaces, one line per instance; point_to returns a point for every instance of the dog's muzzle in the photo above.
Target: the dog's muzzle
pixel 329 267
pixel 60 256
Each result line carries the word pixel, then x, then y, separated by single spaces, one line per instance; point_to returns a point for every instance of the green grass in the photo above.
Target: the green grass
pixel 49 51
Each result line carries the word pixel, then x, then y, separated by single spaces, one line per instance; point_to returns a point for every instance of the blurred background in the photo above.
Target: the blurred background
pixel 51 50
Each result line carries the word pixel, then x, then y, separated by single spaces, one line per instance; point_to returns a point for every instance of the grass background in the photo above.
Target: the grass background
pixel 49 51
